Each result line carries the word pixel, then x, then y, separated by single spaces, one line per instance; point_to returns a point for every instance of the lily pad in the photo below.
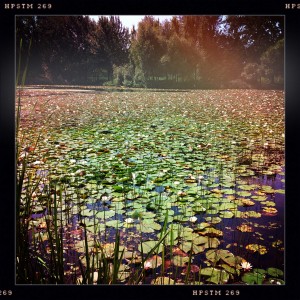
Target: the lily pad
pixel 190 246
pixel 114 223
pixel 224 255
pixel 153 262
pixel 244 194
pixel 253 278
pixel 212 232
pixel 105 214
pixel 226 214
pixel 245 228
pixel 274 272
pixel 250 214
pixel 213 220
pixel 215 275
pixel 180 261
pixel 163 281
pixel 203 225
pixel 148 246
pixel 257 248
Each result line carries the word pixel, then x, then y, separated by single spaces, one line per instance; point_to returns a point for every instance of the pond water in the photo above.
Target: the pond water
pixel 203 169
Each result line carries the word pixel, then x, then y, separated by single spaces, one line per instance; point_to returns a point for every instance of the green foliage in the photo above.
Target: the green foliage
pixel 185 52
pixel 272 61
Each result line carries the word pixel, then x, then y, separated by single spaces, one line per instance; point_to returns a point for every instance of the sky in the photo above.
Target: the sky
pixel 129 21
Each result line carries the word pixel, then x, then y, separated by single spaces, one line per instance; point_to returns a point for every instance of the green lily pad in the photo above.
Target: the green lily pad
pixel 274 272
pixel 224 255
pixel 253 278
pixel 226 214
pixel 244 194
pixel 230 270
pixel 268 189
pixel 114 223
pixel 225 206
pixel 213 220
pixel 259 198
pixel 180 261
pixel 188 246
pixel 210 231
pixel 149 245
pixel 198 208
pixel 216 276
pixel 260 271
pixel 203 225
pixel 105 214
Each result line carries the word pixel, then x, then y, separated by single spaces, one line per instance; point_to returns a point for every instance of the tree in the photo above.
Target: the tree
pixel 255 34
pixel 147 48
pixel 113 43
pixel 272 61
pixel 187 51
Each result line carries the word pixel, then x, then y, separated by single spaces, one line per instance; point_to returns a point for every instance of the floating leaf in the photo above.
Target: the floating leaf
pixel 274 272
pixel 225 206
pixel 247 187
pixel 250 214
pixel 213 220
pixel 226 214
pixel 245 202
pixel 188 246
pixel 179 260
pixel 244 194
pixel 224 255
pixel 260 271
pixel 153 262
pixel 231 270
pixel 267 189
pixel 253 278
pixel 257 248
pixel 277 243
pixel 114 223
pixel 203 225
pixel 163 281
pixel 245 228
pixel 215 275
pixel 198 208
pixel 149 245
pixel 268 203
pixel 229 191
pixel 270 210
pixel 210 231
pixel 105 214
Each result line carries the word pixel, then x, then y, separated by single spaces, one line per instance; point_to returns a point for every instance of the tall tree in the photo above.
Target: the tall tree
pixel 147 48
pixel 272 61
pixel 256 34
pixel 113 43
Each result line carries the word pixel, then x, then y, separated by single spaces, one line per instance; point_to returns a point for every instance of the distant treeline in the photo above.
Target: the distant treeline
pixel 184 52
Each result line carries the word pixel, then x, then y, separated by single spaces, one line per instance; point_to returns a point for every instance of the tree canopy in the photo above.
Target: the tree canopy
pixel 184 52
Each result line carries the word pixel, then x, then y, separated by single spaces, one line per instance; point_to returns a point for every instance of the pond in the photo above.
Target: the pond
pixel 153 188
